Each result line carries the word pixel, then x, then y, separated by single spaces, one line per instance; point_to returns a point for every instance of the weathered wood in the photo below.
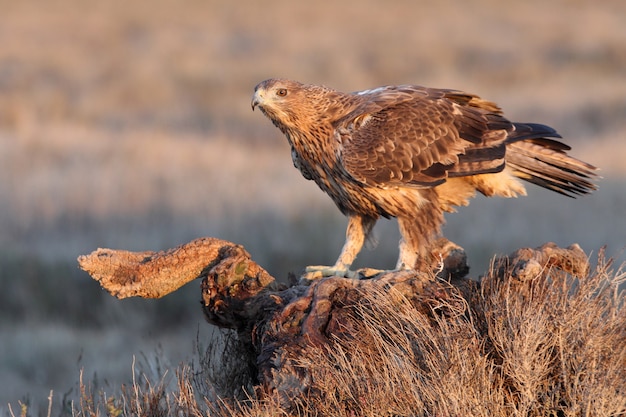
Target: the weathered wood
pixel 278 322
pixel 526 263
pixel 155 274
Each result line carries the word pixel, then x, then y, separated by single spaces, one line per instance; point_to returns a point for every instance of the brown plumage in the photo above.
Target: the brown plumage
pixel 413 153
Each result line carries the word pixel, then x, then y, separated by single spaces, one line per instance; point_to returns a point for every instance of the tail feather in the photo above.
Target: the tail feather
pixel 544 162
pixel 524 131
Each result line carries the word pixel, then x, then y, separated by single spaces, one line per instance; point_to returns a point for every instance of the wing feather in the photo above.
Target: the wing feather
pixel 417 136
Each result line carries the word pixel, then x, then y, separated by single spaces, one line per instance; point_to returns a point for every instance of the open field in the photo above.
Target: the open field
pixel 128 125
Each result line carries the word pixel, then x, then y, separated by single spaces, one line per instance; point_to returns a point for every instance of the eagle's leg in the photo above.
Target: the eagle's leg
pixel 417 237
pixel 359 228
pixel 407 258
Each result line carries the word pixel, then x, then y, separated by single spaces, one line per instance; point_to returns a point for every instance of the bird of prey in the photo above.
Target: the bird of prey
pixel 412 153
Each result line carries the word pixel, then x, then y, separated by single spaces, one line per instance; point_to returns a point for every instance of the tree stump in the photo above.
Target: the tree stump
pixel 279 322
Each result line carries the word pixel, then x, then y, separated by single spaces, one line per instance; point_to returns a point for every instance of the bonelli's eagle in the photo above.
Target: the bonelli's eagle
pixel 412 153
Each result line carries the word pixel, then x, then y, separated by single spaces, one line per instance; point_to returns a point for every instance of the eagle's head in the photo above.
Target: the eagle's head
pixel 278 99
pixel 291 105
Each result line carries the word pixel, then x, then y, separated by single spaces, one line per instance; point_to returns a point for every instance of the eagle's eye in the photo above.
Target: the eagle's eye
pixel 281 92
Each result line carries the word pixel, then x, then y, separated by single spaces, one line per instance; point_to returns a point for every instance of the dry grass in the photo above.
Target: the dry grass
pixel 129 125
pixel 551 346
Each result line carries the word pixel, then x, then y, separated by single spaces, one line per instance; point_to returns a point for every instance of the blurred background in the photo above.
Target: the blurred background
pixel 128 125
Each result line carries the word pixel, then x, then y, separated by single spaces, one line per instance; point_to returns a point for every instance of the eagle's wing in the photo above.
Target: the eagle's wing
pixel 418 136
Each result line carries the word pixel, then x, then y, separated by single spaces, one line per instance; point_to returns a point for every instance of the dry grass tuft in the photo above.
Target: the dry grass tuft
pixel 554 345
pixel 559 341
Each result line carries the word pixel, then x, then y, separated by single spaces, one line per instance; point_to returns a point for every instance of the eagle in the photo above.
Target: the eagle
pixel 412 153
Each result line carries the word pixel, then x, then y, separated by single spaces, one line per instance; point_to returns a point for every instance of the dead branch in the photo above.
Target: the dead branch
pixel 280 322
pixel 155 274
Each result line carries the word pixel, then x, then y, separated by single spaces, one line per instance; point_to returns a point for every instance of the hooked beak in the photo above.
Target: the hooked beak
pixel 256 99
